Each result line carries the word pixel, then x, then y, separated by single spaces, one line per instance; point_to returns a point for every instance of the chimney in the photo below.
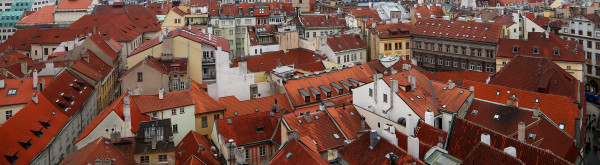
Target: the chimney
pixel 577 132
pixel 375 82
pixel 392 157
pixel 512 151
pixel 40 86
pixel 322 106
pixel 293 134
pixel 451 85
pixel 126 112
pixel 485 138
pixel 547 32
pixel 410 128
pixel 394 91
pixel 413 146
pixel 115 136
pixel 231 151
pixel 2 84
pixel 536 111
pixel 307 117
pixel 512 101
pixel 153 139
pixel 161 93
pixel 34 98
pixel 413 82
pixel 276 106
pixel 362 123
pixel 374 138
pixel 429 118
pixel 35 79
pixel 24 68
pixel 521 131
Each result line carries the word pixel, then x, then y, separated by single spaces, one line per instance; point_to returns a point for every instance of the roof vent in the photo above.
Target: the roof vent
pixel 497 117
pixel 474 112
pixel 288 155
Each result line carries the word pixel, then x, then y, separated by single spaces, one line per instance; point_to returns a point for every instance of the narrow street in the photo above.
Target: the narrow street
pixel 590 155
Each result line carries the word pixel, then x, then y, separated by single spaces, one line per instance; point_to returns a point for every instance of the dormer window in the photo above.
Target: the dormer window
pixel 11 158
pixel 25 142
pixel 37 132
pixel 536 50
pixel 516 49
pixel 556 52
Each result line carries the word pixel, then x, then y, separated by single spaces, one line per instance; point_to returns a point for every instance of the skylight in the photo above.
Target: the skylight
pixel 561 126
pixel 335 135
pixel 474 112
pixel 496 117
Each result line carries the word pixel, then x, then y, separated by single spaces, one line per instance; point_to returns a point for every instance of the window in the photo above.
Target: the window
pixel 154 114
pixel 204 121
pixel 572 31
pixel 261 11
pixel 315 34
pixel 218 32
pixel 262 150
pixel 145 159
pixel 8 114
pixel 181 111
pixel 568 67
pixel 385 98
pixel 140 77
pixel 448 48
pixel 11 92
pixel 536 50
pixel 478 67
pixel 247 154
pixel 175 128
pixel 162 158
pixel 447 62
pixel 174 112
pixel 441 61
pixel 217 116
pixel 515 49
pixel 556 52
pixel 456 49
pixel 455 63
pixel 370 94
pixel 230 32
pixel 472 67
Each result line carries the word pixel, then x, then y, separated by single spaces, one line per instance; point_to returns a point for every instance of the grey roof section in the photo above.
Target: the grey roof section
pixel 353 81
pixel 345 83
pixel 303 92
pixel 336 86
pixel 324 89
pixel 314 91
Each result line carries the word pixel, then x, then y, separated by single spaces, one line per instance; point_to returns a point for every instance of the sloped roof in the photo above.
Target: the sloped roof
pixel 298 153
pixel 24 91
pixel 56 36
pixel 362 14
pixel 460 30
pixel 151 103
pixel 104 46
pixel 345 42
pixel 152 63
pixel 159 8
pixel 74 4
pixel 392 30
pixel 536 74
pixel 203 102
pixel 485 154
pixel 545 47
pixel 358 152
pixel 124 9
pixel 243 129
pixel 44 15
pixel 506 19
pixel 466 136
pixel 14 58
pixel 20 40
pixel 195 146
pixel 100 148
pixel 429 10
pixel 508 120
pixel 318 135
pixel 458 76
pixel 146 45
pixel 116 26
pixel 95 69
pixel 197 36
pixel 348 119
pixel 263 104
pixel 322 20
pixel 301 58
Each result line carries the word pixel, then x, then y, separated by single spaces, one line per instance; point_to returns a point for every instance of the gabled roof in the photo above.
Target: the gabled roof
pixel 159 8
pixel 348 119
pixel 178 11
pixel 245 130
pixel 74 4
pixel 545 47
pixel 296 153
pixel 116 26
pixel 104 46
pixel 44 15
pixel 95 69
pixel 117 107
pixel 429 10
pixel 262 31
pixel 392 30
pixel 465 137
pixel 559 109
pixel 506 20
pixel 322 21
pixel 200 37
pixel 14 58
pixel 195 146
pixel 151 103
pixel 536 74
pixel 301 58
pixel 100 148
pixel 203 102
pixel 460 30
pixel 152 63
pixel 345 42
pixel 365 14
pixel 124 9
pixel 319 135
pixel 56 36
pixel 24 90
pixel 146 45
pixel 263 104
pixel 359 152
pixel 361 73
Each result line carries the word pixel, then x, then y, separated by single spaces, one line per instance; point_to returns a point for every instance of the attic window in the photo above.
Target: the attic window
pixel 561 126
pixel 352 113
pixel 461 91
pixel 288 155
pixel 335 135
pixel 537 100
pixel 556 52
pixel 317 117
pixel 496 117
pixel 235 113
pixel 418 97
pixel 341 116
pixel 474 112
pixel 37 133
pixel 45 124
pixel 300 121
pixel 229 121
pixel 314 141
pixel 11 92
pixel 12 158
pixel 444 106
pixel 25 142
pixel 515 49
pixel 532 136
pixel 497 93
pixel 536 50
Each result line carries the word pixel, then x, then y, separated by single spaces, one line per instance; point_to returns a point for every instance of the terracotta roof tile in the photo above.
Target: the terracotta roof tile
pixel 95 69
pixel 151 62
pixel 203 102
pixel 358 152
pixel 244 129
pixel 197 35
pixel 151 103
pixel 395 30
pixel 458 76
pixel 319 133
pixel 24 90
pixel 548 136
pixel 195 145
pixel 506 19
pixel 301 58
pixel 485 154
pixel 429 134
pixel 116 26
pixel 362 14
pixel 322 20
pixel 545 47
pixel 266 31
pixel 56 36
pixel 98 149
pixel 160 8
pixel 178 11
pixel 125 9
pixel 298 153
pixel 429 10
pixel 20 40
pixel 74 4
pixel 461 30
pixel 44 15
pixel 345 42
pixel 263 104
pixel 348 119
pixel 508 116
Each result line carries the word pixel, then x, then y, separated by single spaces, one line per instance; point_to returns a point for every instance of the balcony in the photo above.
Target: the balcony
pixel 208 60
pixel 209 76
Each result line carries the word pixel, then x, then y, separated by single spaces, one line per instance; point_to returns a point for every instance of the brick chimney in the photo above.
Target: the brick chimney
pixel 512 101
pixel 307 117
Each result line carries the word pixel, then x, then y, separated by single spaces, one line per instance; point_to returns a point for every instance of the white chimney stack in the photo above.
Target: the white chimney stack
pixel 126 113
pixel 521 131
pixel 373 138
pixel 536 111
pixel 1 84
pixel 394 91
pixel 451 85
pixel 161 93
pixel 485 138
pixel 429 118
pixel 35 78
pixel 413 146
pixel 512 151
pixel 410 128
pixel 34 98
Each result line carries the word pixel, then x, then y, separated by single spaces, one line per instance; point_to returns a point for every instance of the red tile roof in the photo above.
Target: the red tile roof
pixel 428 10
pixel 178 11
pixel 56 36
pixel 361 73
pixel 345 42
pixel 485 154
pixel 394 30
pixel 20 40
pixel 322 20
pixel 203 102
pixel 243 129
pixel 506 19
pixel 264 104
pixel 117 107
pixel 559 109
pixel 465 137
pixel 548 136
pixel 151 103
pixel 33 115
pixel 104 46
pixel 362 14
pixel 545 46
pixel 348 119
pixel 318 135
pixel 152 63
pixel 266 31
pixel 24 91
pixel 298 153
pixel 146 45
pixel 430 135
pixel 195 146
pixel 124 9
pixel 95 69
pixel 509 116
pixel 159 8
pixel 44 15
pixel 301 58
pixel 14 58
pixel 100 148
pixel 74 4
pixel 458 76
pixel 197 35
pixel 461 30
pixel 358 152
pixel 116 26
pixel 536 74
pixel 541 21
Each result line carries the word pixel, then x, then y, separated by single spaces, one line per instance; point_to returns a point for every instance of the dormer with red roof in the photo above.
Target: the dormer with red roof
pixel 195 147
